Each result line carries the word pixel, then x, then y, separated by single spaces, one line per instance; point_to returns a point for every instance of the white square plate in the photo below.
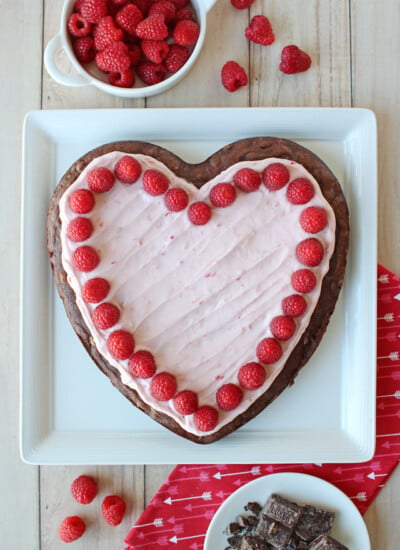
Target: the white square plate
pixel 70 413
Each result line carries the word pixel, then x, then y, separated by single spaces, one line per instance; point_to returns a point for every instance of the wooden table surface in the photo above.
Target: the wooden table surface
pixel 355 47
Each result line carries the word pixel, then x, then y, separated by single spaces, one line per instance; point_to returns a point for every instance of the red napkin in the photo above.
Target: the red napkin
pixel 179 514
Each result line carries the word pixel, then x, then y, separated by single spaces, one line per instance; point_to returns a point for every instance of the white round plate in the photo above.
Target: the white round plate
pixel 348 528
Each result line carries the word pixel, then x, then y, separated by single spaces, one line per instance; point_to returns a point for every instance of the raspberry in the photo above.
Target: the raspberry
pixel 165 8
pixel 151 73
pixel 252 376
pixel 78 26
pixel 205 418
pixel 113 509
pixel 313 219
pixel 119 3
pixel 282 327
pixel 186 402
pixel 155 50
pixel 128 18
pixel 269 351
pixel 106 33
pixel 222 195
pixel 184 13
pixel 176 58
pixel 310 252
pixel 241 4
pixel 247 180
pixel 275 176
pixel 199 213
pixel 233 76
pixel 84 49
pixel 84 489
pixel 186 32
pixel 260 31
pixel 294 60
pixel 142 364
pixel 123 79
pixel 303 281
pixel 163 386
pixel 72 528
pixel 176 199
pixel 152 28
pixel 120 344
pixel 105 316
pixel 81 201
pixel 100 180
pixel 77 6
pixel 95 290
pixel 300 191
pixel 155 182
pixel 94 10
pixel 143 5
pixel 127 169
pixel 79 229
pixel 135 53
pixel 85 258
pixel 294 305
pixel 229 396
pixel 180 3
pixel 114 59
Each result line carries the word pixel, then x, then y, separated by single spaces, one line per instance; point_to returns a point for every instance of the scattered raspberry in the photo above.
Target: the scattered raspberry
pixel 229 396
pixel 84 489
pixel 199 213
pixel 128 18
pixel 233 76
pixel 294 305
pixel 114 59
pixel 79 229
pixel 81 201
pixel 113 509
pixel 176 58
pixel 165 8
pixel 294 60
pixel 282 327
pixel 105 316
pixel 84 49
pixel 94 10
pixel 176 199
pixel 106 33
pixel 260 31
pixel 155 50
pixel 127 169
pixel 206 418
pixel 184 13
pixel 142 364
pixel 151 73
pixel 247 180
pixel 269 351
pixel 120 344
pixel 186 402
pixel 303 281
pixel 163 386
pixel 72 528
pixel 186 32
pixel 252 376
pixel 78 26
pixel 95 290
pixel 222 194
pixel 275 176
pixel 85 258
pixel 313 219
pixel 310 252
pixel 100 180
pixel 300 191
pixel 241 4
pixel 152 28
pixel 123 79
pixel 155 182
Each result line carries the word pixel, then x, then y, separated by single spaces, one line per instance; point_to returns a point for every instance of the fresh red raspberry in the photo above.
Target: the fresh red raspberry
pixel 163 386
pixel 78 26
pixel 142 364
pixel 186 402
pixel 247 180
pixel 105 316
pixel 79 229
pixel 94 10
pixel 81 201
pixel 135 54
pixel 100 180
pixel 120 344
pixel 294 60
pixel 282 327
pixel 118 3
pixel 85 258
pixel 151 73
pixel 241 4
pixel 123 79
pixel 199 213
pixel 180 3
pixel 165 8
pixel 152 28
pixel 300 191
pixel 113 509
pixel 84 49
pixel 176 58
pixel 106 33
pixel 184 13
pixel 310 252
pixel 78 5
pixel 114 59
pixel 205 418
pixel 155 182
pixel 84 489
pixel 222 195
pixel 128 18
pixel 71 528
pixel 229 397
pixel 275 176
pixel 269 351
pixel 95 290
pixel 252 376
pixel 127 169
pixel 303 281
pixel 143 5
pixel 294 305
pixel 186 32
pixel 313 219
pixel 176 199
pixel 233 76
pixel 260 31
pixel 155 50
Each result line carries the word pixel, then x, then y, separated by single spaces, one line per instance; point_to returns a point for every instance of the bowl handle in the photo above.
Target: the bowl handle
pixel 52 48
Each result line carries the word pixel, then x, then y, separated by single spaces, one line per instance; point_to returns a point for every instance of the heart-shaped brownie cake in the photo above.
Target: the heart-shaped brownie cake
pixel 200 290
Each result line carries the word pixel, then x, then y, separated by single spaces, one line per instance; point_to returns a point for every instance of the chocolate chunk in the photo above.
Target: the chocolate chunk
pixel 314 522
pixel 253 507
pixel 233 528
pixel 273 532
pixel 325 542
pixel 283 510
pixel 235 541
pixel 250 542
